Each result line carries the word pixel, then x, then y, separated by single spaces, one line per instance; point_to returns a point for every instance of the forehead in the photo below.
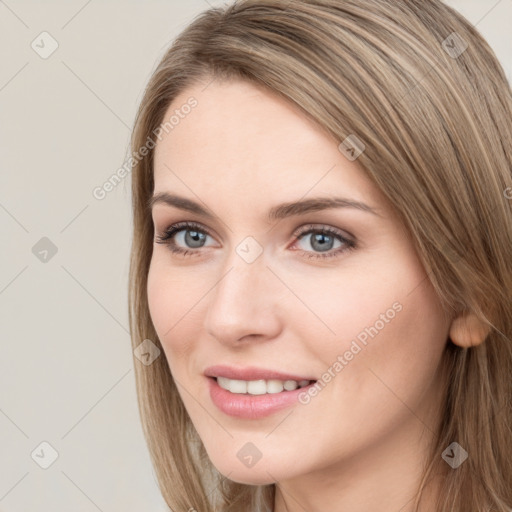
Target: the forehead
pixel 242 140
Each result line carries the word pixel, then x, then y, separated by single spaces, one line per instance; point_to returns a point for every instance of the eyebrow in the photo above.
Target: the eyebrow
pixel 278 212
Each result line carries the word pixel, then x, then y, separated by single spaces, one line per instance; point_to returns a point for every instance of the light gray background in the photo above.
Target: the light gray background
pixel 66 371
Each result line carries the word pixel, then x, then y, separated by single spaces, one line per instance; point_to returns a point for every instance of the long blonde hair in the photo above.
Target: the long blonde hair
pixel 419 85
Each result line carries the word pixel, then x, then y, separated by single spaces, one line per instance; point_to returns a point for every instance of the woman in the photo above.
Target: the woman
pixel 322 252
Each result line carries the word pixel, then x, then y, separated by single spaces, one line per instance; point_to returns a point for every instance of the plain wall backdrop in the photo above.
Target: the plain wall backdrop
pixel 71 78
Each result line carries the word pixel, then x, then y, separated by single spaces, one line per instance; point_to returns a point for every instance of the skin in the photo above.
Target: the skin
pixel 360 443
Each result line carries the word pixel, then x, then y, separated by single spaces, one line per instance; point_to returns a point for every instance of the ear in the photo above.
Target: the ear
pixel 467 330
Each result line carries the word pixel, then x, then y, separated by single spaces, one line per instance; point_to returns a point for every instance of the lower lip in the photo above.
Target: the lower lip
pixel 252 406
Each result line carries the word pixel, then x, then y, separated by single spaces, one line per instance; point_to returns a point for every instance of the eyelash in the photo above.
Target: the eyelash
pixel 168 234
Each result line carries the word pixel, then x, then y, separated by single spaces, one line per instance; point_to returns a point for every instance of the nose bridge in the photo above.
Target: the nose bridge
pixel 244 268
pixel 241 302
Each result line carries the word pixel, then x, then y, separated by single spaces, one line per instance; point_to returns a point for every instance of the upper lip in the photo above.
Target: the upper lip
pixel 251 373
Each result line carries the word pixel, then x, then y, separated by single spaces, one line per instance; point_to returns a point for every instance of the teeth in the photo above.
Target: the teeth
pixel 290 385
pixel 275 386
pixel 255 387
pixel 259 387
pixel 238 386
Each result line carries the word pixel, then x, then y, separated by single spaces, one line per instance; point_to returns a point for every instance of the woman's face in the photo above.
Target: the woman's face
pixel 335 295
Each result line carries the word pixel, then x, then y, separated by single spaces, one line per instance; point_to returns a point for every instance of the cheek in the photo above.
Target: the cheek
pixel 344 304
pixel 380 319
pixel 171 301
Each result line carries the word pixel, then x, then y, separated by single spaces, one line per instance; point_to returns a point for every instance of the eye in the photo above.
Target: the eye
pixel 323 239
pixel 186 238
pixel 184 235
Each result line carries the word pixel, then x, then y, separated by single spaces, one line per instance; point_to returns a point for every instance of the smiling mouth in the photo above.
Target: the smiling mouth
pixel 261 386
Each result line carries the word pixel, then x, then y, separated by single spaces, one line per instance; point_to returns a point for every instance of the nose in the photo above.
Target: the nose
pixel 244 304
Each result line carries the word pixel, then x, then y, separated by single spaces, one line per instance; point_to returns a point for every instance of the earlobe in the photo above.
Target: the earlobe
pixel 467 330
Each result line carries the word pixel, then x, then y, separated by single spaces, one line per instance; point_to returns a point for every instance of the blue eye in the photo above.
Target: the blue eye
pixel 194 234
pixel 321 238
